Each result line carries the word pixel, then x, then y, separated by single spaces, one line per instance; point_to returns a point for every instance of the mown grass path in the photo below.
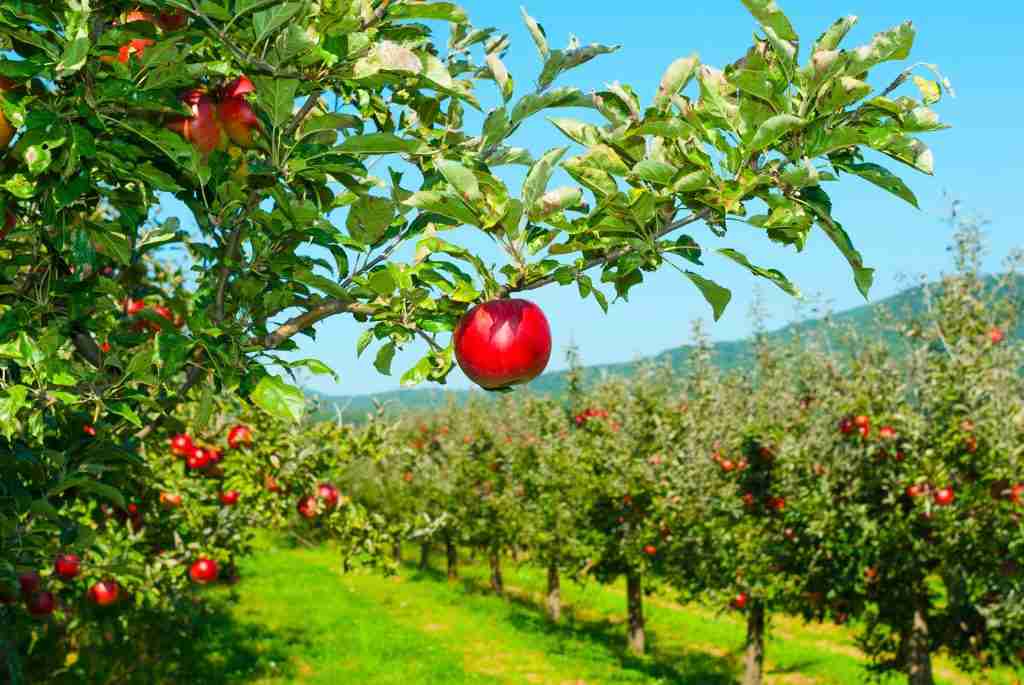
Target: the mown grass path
pixel 295 618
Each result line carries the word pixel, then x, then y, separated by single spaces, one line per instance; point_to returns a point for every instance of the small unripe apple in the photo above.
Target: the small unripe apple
pixel 67 566
pixel 502 343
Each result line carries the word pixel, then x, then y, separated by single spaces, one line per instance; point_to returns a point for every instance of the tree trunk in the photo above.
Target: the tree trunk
pixel 424 556
pixel 453 558
pixel 754 662
pixel 396 552
pixel 497 581
pixel 635 605
pixel 918 648
pixel 554 598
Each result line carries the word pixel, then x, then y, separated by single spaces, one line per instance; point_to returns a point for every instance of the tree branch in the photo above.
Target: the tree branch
pixel 303 112
pixel 303 321
pixel 612 256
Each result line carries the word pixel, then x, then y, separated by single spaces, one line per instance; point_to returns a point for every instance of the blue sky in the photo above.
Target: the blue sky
pixel 979 162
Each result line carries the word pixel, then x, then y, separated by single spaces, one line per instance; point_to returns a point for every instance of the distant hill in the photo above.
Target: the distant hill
pixel 727 354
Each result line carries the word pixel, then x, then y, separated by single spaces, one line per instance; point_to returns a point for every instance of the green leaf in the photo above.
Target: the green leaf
pixel 442 11
pixel 461 179
pixel 316 367
pixel 271 19
pixel 281 400
pixel 369 218
pixel 717 296
pixel 578 131
pixel 883 178
pixel 385 356
pixel 894 44
pixel 443 203
pixel 559 61
pixel 378 144
pixel 559 97
pixel 676 78
pixel 768 14
pixel 76 36
pixel 772 130
pixel 834 35
pixel 540 173
pixel 501 76
pixel 115 245
pixel 540 39
pixel 364 341
pixel 556 200
pixel 819 202
pixel 931 92
pixel 277 97
pixel 654 171
pixel 418 373
pixel 773 275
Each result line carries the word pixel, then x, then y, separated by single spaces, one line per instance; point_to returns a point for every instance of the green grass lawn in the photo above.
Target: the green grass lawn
pixel 296 619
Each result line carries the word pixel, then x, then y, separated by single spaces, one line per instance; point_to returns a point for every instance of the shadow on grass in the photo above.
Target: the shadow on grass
pixel 213 648
pixel 670 664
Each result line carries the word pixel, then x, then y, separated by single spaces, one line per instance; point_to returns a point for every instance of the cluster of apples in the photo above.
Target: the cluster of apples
pixel 206 459
pixel 132 308
pixel 219 117
pixel 41 603
pixel 326 499
pixel 167 22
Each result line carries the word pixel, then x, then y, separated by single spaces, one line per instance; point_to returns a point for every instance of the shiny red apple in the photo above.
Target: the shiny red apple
pixel 239 120
pixel 202 129
pixel 650 550
pixel 944 496
pixel 229 498
pixel 239 436
pixel 204 571
pixel 329 495
pixel 67 566
pixel 502 343
pixel 307 507
pixel 181 445
pixel 105 592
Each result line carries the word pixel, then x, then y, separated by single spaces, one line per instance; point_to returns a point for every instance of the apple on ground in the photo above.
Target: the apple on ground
pixel 502 343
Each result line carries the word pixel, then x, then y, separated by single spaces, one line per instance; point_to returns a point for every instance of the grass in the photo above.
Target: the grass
pixel 296 619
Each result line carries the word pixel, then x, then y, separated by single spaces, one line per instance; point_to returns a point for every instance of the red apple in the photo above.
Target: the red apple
pixel 887 433
pixel 915 490
pixel 239 87
pixel 407 476
pixel 198 458
pixel 307 507
pixel 846 426
pixel 944 496
pixel 172 20
pixel 727 465
pixel 748 499
pixel 40 604
pixel 66 566
pixel 229 498
pixel 271 484
pixel 239 120
pixel 171 500
pixel 789 534
pixel 181 445
pixel 740 601
pixel 871 574
pixel 329 494
pixel 29 582
pixel 650 550
pixel 777 503
pixel 503 343
pixel 1017 494
pixel 202 129
pixel 105 348
pixel 204 571
pixel 104 593
pixel 239 436
pixel 89 430
pixel 132 307
pixel 996 335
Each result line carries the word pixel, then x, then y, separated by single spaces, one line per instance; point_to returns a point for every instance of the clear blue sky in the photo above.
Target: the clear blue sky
pixel 978 161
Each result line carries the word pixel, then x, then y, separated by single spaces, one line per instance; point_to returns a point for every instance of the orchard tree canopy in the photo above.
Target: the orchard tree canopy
pixel 266 118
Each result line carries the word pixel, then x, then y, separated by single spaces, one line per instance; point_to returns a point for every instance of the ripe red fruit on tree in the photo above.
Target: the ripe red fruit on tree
pixel 239 436
pixel 181 445
pixel 1017 494
pixel 307 507
pixel 944 496
pixel 204 571
pixel 777 503
pixel 105 347
pixel 329 494
pixel 503 343
pixel 105 592
pixel 229 498
pixel 740 601
pixel 996 335
pixel 172 20
pixel 40 604
pixel 170 500
pixel 871 574
pixel 727 465
pixel 202 129
pixel 748 499
pixel 28 582
pixel 239 120
pixel 89 430
pixel 132 307
pixel 407 476
pixel 198 458
pixel 66 566
pixel 915 490
pixel 887 433
pixel 271 484
pixel 650 550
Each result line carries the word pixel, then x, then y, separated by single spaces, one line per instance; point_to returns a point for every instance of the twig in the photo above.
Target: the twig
pixel 304 321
